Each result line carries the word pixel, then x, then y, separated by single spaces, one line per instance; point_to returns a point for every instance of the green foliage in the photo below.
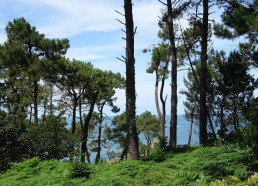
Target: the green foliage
pixel 34 172
pixel 79 170
pixel 148 124
pixel 188 166
pixel 12 146
pixel 50 139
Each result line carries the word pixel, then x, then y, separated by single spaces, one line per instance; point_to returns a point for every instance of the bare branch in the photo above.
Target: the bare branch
pixel 120 59
pixel 162 2
pixel 135 30
pixel 120 22
pixel 182 69
pixel 119 13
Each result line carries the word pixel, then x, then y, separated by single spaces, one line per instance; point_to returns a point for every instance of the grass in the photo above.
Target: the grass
pixel 189 166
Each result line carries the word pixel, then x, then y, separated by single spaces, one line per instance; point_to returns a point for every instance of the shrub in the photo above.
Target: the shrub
pixel 79 170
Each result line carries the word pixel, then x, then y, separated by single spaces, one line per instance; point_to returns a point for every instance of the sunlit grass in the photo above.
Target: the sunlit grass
pixel 191 166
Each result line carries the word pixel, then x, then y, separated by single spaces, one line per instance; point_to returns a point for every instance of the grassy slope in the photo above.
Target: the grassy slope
pixel 194 166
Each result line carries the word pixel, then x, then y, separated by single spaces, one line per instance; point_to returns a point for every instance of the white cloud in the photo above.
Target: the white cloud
pixel 65 18
pixel 3 38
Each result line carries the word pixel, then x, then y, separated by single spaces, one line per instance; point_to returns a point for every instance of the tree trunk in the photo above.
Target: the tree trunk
pixel 235 113
pixel 203 76
pixel 99 134
pixel 84 150
pixel 35 101
pixel 191 128
pixel 222 126
pixel 125 151
pixel 31 110
pixel 161 115
pixel 80 113
pixel 130 82
pixel 163 102
pixel 75 102
pixel 173 121
pixel 212 128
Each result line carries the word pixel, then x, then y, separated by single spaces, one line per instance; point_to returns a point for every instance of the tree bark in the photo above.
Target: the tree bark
pixel 203 76
pixel 191 127
pixel 163 102
pixel 84 150
pixel 173 121
pixel 75 102
pixel 99 133
pixel 130 82
pixel 161 114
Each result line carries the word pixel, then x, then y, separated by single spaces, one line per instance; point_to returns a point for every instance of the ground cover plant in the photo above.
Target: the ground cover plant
pixel 217 165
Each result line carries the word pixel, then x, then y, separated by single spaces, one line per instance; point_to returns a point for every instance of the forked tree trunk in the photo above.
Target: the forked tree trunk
pixel 130 82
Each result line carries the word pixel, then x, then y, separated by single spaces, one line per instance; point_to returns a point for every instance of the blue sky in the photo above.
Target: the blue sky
pixel 95 35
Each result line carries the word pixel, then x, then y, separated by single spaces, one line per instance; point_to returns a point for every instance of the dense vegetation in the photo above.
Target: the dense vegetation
pixel 187 166
pixel 40 89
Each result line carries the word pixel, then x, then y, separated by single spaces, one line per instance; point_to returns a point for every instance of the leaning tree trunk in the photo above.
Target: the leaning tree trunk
pixel 130 82
pixel 173 121
pixel 84 150
pixel 203 76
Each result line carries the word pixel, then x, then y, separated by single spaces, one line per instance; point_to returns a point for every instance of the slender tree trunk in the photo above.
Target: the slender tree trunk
pixel 31 110
pixel 161 114
pixel 80 113
pixel 212 128
pixel 99 134
pixel 163 102
pixel 51 102
pixel 75 102
pixel 130 82
pixel 35 83
pixel 191 128
pixel 235 113
pixel 84 150
pixel 173 121
pixel 203 76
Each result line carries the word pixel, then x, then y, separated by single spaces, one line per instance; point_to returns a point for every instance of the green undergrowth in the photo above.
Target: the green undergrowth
pixel 188 166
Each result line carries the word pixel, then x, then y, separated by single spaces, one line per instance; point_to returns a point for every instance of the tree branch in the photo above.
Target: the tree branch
pixel 120 22
pixel 119 13
pixel 162 2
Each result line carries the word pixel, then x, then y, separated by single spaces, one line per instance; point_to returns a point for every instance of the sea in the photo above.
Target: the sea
pixel 183 129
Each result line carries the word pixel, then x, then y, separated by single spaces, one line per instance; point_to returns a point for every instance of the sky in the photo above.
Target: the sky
pixel 95 36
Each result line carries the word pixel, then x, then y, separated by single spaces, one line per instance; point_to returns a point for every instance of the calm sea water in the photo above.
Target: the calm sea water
pixel 183 129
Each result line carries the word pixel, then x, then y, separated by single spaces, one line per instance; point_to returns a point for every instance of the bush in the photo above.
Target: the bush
pixel 79 170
